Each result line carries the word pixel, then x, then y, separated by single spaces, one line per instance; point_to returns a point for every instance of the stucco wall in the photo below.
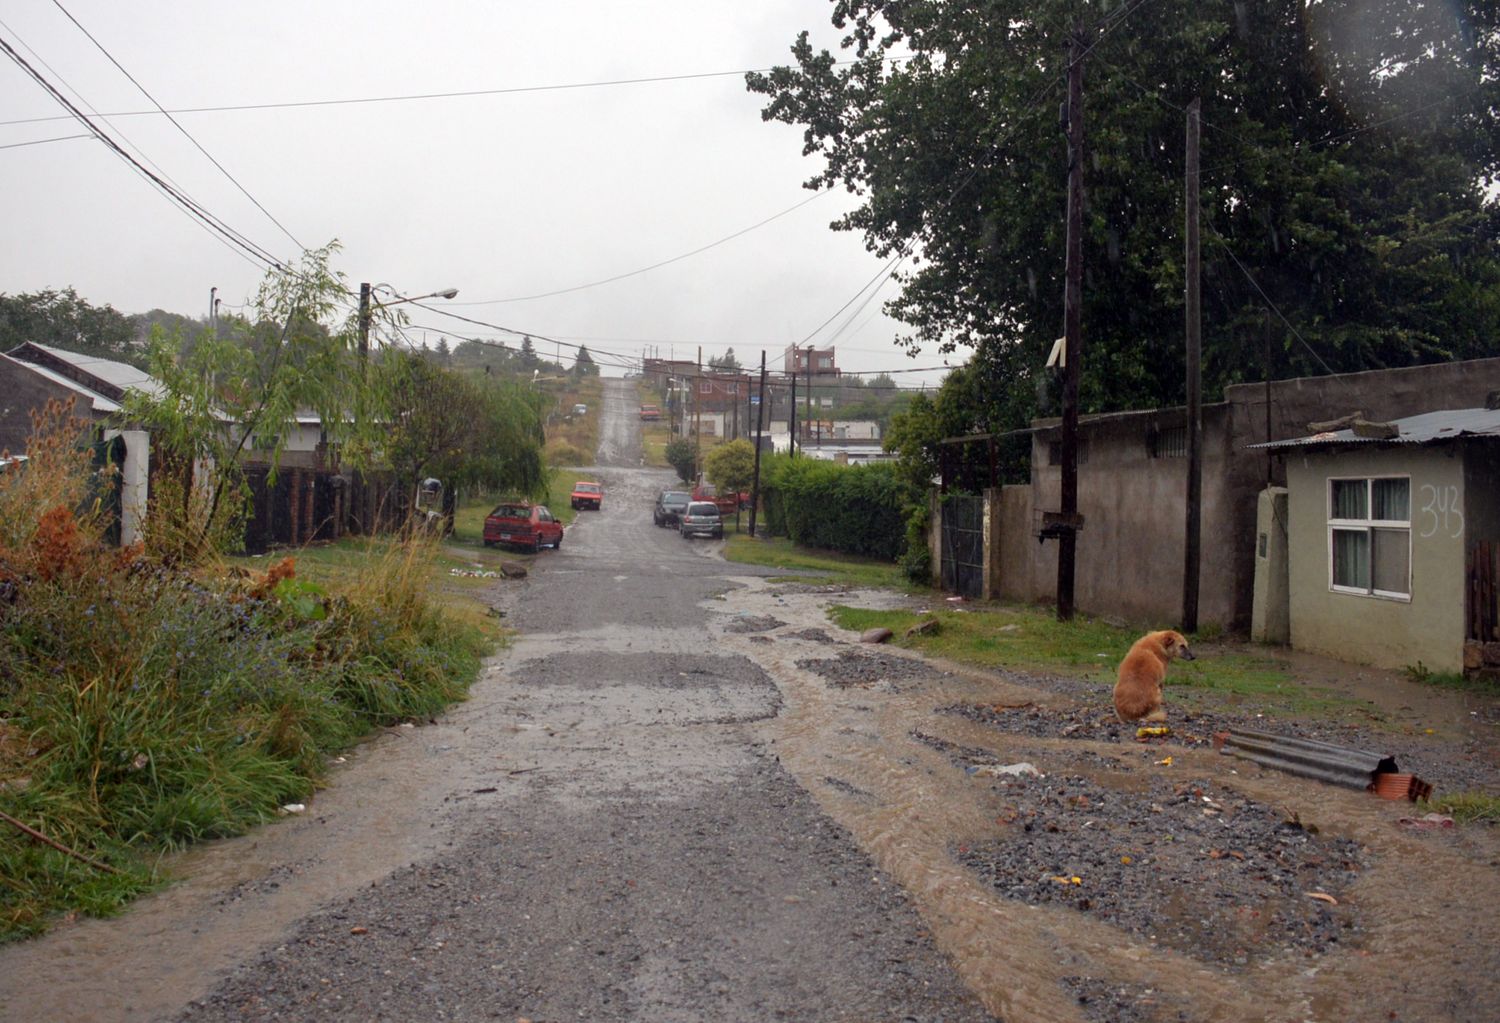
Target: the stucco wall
pixel 1375 630
pixel 1012 556
pixel 1130 557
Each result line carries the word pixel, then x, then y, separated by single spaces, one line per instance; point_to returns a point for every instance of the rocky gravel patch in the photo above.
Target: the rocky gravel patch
pixel 1188 865
pixel 812 635
pixel 1446 767
pixel 753 623
pixel 1106 1002
pixel 861 669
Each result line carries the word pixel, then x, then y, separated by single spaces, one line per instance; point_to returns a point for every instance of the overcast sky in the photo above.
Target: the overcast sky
pixel 502 196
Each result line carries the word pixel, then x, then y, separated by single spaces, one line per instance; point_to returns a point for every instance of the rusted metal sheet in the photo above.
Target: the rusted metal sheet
pixel 1323 761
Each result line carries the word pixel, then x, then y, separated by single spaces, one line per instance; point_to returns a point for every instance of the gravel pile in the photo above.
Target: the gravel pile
pixel 1199 869
pixel 754 623
pixel 1105 1002
pixel 855 668
pixel 812 635
pixel 1447 767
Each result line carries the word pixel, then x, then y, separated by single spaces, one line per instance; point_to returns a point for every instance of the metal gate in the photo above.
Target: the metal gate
pixel 963 545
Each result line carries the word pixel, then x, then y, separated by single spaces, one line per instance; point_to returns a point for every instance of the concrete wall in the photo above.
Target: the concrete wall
pixel 1130 551
pixel 1382 631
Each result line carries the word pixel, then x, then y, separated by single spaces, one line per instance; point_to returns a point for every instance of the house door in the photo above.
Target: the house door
pixel 963 545
pixel 1482 623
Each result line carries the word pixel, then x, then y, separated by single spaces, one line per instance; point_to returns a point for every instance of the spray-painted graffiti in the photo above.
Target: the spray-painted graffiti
pixel 1441 513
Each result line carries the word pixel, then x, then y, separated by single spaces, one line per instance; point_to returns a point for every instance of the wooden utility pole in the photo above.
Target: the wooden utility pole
pixel 698 413
pixel 1191 548
pixel 1067 541
pixel 807 418
pixel 759 413
pixel 791 411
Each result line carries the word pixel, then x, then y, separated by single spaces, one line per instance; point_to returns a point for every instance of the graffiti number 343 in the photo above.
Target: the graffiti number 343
pixel 1441 512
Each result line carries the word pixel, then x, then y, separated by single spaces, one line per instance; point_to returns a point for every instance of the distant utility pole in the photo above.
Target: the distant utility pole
pixel 791 410
pixel 698 412
pixel 1067 546
pixel 808 419
pixel 759 412
pixel 1191 551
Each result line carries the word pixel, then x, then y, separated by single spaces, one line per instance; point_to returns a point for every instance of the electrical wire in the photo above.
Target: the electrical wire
pixel 176 124
pixel 416 97
pixel 258 256
pixel 39 142
pixel 654 266
pixel 159 171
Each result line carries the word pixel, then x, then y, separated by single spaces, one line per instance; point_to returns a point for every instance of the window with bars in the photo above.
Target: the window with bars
pixel 1369 536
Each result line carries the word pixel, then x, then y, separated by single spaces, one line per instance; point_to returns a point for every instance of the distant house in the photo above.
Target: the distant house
pixel 799 362
pixel 31 374
pixel 1392 543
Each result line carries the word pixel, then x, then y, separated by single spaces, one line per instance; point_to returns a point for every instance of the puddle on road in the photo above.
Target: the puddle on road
pixel 915 809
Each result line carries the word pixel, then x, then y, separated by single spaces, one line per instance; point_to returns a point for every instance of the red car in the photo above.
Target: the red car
pixel 520 524
pixel 587 495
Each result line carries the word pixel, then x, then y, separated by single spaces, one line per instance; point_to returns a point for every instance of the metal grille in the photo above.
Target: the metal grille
pixel 963 545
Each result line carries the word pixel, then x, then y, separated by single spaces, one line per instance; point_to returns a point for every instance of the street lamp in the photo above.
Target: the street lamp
pixel 367 307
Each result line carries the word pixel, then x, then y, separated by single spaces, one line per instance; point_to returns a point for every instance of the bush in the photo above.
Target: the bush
pixel 681 456
pixel 561 453
pixel 852 509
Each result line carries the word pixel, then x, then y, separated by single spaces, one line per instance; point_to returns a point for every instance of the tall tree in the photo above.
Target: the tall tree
pixel 1347 147
pixel 60 319
pixel 725 363
pixel 584 365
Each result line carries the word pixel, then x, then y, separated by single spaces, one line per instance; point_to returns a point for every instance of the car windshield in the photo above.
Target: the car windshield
pixel 587 488
pixel 674 498
pixel 511 511
pixel 703 508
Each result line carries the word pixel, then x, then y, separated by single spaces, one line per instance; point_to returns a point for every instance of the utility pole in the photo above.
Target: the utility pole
pixel 791 409
pixel 759 412
pixel 1191 549
pixel 1067 544
pixel 698 414
pixel 807 418
pixel 364 327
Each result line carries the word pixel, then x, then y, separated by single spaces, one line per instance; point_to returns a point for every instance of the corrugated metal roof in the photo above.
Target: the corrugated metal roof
pixel 1427 428
pixel 122 375
pixel 100 402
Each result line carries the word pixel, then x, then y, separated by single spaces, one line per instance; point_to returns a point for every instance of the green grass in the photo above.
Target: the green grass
pixel 827 567
pixel 1419 672
pixel 147 709
pixel 1466 807
pixel 1031 639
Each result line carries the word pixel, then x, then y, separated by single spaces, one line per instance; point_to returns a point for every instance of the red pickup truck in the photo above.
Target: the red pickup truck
pixel 650 413
pixel 728 504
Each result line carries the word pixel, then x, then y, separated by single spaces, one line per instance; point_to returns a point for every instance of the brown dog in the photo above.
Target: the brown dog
pixel 1138 695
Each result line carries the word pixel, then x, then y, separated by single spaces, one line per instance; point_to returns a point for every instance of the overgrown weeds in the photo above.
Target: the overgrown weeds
pixel 145 706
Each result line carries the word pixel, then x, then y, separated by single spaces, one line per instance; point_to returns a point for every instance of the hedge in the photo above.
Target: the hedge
pixel 855 509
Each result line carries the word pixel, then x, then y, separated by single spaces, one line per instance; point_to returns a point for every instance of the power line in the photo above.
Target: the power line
pixel 39 142
pixel 424 96
pixel 173 193
pixel 1267 299
pixel 175 124
pixel 654 266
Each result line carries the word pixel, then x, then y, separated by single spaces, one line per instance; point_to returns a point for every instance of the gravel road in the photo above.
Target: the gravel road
pixel 684 795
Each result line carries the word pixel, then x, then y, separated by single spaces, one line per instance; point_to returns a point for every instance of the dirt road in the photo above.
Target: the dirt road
pixel 682 796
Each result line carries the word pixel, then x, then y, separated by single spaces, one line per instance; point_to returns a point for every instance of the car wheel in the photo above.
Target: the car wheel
pixel 489 543
pixel 557 544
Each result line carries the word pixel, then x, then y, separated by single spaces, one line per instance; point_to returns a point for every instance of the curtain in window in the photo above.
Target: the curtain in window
pixel 1351 558
pixel 1392 500
pixel 1349 497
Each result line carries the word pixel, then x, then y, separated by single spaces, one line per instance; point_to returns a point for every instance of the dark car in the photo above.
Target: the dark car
pixel 702 518
pixel 670 504
pixel 521 524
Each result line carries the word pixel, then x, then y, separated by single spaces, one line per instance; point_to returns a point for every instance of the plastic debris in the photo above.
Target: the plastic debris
pixel 291 808
pixel 1152 731
pixel 1427 822
pixel 1022 769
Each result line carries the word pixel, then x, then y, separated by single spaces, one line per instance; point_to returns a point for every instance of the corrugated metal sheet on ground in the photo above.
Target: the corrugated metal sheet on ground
pixel 1309 758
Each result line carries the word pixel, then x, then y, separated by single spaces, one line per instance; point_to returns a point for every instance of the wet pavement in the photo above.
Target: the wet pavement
pixel 684 795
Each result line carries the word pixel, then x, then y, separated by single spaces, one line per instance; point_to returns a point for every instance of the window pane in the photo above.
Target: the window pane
pixel 1391 557
pixel 1392 500
pixel 1349 499
pixel 1351 558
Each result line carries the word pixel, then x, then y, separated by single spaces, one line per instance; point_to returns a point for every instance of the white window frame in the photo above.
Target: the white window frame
pixel 1368 525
